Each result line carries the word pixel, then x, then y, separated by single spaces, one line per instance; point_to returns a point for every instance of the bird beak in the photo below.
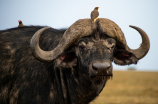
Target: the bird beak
pixel 18 20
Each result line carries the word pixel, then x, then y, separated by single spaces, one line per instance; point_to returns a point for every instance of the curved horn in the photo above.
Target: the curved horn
pixel 79 29
pixel 113 30
pixel 144 48
pixel 34 44
pixel 45 55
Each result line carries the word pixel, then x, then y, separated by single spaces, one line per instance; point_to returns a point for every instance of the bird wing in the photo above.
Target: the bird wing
pixel 94 14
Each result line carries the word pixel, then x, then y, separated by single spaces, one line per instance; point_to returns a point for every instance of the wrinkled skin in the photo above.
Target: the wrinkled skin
pixel 78 75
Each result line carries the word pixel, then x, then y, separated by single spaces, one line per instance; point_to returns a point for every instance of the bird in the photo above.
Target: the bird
pixel 20 23
pixel 94 14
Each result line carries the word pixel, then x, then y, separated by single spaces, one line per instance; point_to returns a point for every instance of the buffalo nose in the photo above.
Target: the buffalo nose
pixel 101 65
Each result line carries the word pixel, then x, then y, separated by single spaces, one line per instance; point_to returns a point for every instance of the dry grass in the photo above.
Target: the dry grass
pixel 130 87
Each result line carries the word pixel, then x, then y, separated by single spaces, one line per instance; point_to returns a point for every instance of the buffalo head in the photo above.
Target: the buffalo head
pixel 91 47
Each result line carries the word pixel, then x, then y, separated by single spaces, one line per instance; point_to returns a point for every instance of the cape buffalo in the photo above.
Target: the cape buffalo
pixel 42 65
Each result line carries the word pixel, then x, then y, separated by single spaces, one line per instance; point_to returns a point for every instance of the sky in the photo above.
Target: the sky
pixel 63 13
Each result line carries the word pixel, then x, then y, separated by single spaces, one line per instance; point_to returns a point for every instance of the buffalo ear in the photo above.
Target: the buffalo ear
pixel 123 57
pixel 67 60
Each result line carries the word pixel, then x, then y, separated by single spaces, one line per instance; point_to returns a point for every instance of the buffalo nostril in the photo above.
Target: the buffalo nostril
pixel 101 65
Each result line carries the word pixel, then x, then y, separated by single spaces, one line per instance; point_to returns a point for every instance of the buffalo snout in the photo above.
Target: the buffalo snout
pixel 102 68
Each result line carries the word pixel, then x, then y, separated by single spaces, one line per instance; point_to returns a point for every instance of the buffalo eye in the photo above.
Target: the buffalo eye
pixel 113 46
pixel 82 48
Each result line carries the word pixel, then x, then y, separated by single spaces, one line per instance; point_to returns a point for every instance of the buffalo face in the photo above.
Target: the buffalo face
pixel 95 56
pixel 91 56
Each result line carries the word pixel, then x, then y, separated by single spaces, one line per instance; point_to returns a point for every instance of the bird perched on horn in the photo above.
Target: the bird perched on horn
pixel 94 14
pixel 20 23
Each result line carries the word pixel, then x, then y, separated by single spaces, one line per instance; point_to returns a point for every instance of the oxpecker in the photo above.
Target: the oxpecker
pixel 20 23
pixel 94 14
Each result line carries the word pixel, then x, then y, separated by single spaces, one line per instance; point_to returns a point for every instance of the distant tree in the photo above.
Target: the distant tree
pixel 131 69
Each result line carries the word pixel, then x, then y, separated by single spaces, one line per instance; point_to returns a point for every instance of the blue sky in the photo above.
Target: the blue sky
pixel 61 14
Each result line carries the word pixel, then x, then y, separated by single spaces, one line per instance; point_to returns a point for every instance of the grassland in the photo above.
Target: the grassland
pixel 130 87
